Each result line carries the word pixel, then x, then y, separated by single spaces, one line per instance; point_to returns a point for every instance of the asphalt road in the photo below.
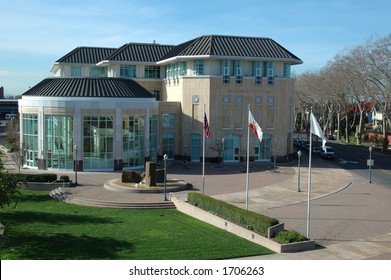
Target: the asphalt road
pixel 354 159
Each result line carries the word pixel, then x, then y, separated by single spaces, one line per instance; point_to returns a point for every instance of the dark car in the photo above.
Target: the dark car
pixel 328 154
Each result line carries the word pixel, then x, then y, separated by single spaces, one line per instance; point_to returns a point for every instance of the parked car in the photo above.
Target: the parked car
pixel 316 150
pixel 328 154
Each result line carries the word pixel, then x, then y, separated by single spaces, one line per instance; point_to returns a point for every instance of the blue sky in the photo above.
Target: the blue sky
pixel 35 33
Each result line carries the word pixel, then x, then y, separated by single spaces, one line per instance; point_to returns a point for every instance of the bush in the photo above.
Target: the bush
pixel 289 236
pixel 64 178
pixel 251 220
pixel 44 177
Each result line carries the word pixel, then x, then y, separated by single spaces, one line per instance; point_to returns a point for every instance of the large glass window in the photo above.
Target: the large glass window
pixel 169 120
pixel 198 67
pixel 59 141
pixel 232 150
pixel 263 150
pixel 152 72
pixel 97 72
pixel 182 68
pixel 30 139
pixel 195 147
pixel 169 145
pixel 127 71
pixel 98 144
pixel 132 141
pixel 75 71
pixel 153 137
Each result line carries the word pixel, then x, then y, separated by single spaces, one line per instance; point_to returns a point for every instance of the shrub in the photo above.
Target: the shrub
pixel 289 236
pixel 44 177
pixel 64 178
pixel 251 220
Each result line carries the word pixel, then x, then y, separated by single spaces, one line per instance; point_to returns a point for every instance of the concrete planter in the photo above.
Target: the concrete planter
pixel 252 236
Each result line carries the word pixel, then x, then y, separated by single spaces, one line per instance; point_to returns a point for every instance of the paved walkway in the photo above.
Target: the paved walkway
pixel 349 217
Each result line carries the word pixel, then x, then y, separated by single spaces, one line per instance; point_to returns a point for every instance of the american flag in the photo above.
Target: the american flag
pixel 206 127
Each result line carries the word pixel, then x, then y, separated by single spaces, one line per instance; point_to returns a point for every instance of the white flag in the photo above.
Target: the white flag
pixel 254 126
pixel 315 129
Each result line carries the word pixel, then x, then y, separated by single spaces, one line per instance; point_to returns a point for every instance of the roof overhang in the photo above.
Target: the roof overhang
pixel 194 57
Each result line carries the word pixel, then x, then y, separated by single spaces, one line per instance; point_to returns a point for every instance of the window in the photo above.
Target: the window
pixel 270 73
pixel 156 93
pixel 169 145
pixel 198 67
pixel 239 100
pixel 170 70
pixel 30 139
pixel 258 100
pixel 225 70
pixel 75 71
pixel 153 137
pixel 97 72
pixel 152 72
pixel 169 120
pixel 238 69
pixel 257 72
pixel 226 99
pixel 59 141
pixel 127 71
pixel 182 68
pixel 98 142
pixel 287 70
pixel 133 141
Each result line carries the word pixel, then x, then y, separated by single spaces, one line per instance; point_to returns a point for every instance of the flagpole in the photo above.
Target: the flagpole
pixel 248 158
pixel 203 156
pixel 309 183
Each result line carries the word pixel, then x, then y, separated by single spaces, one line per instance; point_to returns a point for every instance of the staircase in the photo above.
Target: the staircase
pixel 64 196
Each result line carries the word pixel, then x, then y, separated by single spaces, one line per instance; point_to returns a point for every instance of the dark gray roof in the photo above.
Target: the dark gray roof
pixel 235 46
pixel 89 87
pixel 90 55
pixel 139 52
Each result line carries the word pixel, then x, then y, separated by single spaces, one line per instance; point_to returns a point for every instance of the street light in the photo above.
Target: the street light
pixel 370 164
pixel 75 165
pixel 298 179
pixel 222 146
pixel 165 176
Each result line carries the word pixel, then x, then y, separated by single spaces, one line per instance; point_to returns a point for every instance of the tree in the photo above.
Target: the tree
pixel 9 188
pixel 217 146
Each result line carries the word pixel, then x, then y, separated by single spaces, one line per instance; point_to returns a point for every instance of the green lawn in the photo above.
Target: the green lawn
pixel 43 228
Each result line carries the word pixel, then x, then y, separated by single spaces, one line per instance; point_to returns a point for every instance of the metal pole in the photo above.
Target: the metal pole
pixel 298 179
pixel 165 177
pixel 222 158
pixel 75 147
pixel 248 161
pixel 370 164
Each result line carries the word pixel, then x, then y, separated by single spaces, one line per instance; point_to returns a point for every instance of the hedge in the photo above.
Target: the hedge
pixel 44 177
pixel 251 220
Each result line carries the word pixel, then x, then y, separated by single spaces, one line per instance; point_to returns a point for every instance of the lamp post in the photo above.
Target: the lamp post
pixel 165 176
pixel 298 179
pixel 370 164
pixel 76 165
pixel 222 147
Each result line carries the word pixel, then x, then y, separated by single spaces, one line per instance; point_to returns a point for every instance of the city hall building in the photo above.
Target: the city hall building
pixel 115 108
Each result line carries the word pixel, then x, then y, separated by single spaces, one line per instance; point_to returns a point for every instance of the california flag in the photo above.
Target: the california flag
pixel 255 126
